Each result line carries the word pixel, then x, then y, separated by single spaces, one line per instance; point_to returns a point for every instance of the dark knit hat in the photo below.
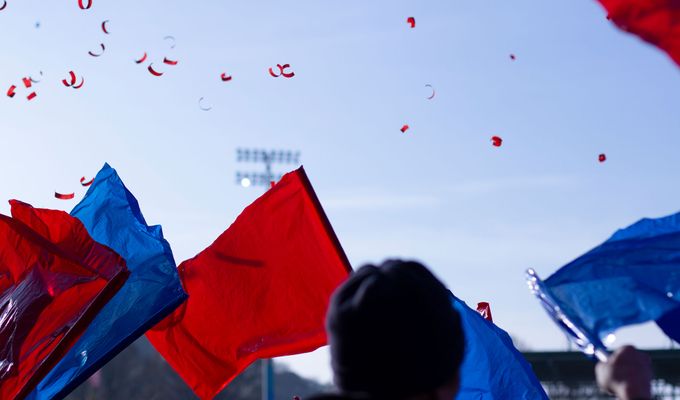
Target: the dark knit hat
pixel 393 332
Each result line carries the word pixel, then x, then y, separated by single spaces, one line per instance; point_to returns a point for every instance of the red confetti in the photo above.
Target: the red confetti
pixel 88 183
pixel 153 71
pixel 227 78
pixel 10 92
pixel 82 82
pixel 4 5
pixel 433 92
pixel 656 22
pixel 496 141
pixel 141 60
pixel 512 57
pixel 484 309
pixel 602 157
pixel 282 71
pixel 169 62
pixel 64 196
pixel 84 6
pixel 27 82
pixel 104 27
pixel 404 128
pixel 411 21
pixel 32 96
pixel 73 80
pixel 93 54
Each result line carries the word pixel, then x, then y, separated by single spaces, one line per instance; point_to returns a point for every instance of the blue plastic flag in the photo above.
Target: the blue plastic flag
pixel 633 277
pixel 492 367
pixel 112 216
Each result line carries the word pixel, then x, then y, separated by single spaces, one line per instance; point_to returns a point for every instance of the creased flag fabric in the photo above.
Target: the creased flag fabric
pixel 112 216
pixel 492 368
pixel 655 21
pixel 633 277
pixel 260 290
pixel 53 280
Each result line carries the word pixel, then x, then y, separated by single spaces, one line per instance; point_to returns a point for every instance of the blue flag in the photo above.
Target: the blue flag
pixel 492 367
pixel 112 217
pixel 633 277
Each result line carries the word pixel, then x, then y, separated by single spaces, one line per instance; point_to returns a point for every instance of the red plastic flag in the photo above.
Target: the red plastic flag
pixel 655 21
pixel 260 290
pixel 53 279
pixel 484 309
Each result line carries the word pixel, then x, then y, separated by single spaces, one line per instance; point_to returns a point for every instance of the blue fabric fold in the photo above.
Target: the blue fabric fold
pixel 632 278
pixel 493 368
pixel 113 218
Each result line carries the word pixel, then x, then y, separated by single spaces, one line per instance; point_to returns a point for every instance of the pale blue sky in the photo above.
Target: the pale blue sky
pixel 476 214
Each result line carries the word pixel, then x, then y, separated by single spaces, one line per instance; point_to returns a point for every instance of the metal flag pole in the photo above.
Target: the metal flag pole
pixel 585 341
pixel 247 179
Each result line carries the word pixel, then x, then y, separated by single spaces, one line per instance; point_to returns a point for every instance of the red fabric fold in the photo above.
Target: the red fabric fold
pixel 53 279
pixel 655 21
pixel 260 290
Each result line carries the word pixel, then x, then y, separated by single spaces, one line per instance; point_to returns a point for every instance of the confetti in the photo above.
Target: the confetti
pixel 225 77
pixel 4 5
pixel 512 57
pixel 104 27
pixel 602 158
pixel 93 54
pixel 141 60
pixel 169 61
pixel 282 71
pixel 27 82
pixel 10 92
pixel 64 196
pixel 84 6
pixel 32 96
pixel 88 183
pixel 73 80
pixel 201 106
pixel 35 80
pixel 433 92
pixel 172 39
pixel 404 128
pixel 496 141
pixel 411 21
pixel 153 71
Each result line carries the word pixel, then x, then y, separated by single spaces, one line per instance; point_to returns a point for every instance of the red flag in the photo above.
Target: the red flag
pixel 655 21
pixel 260 290
pixel 484 309
pixel 53 279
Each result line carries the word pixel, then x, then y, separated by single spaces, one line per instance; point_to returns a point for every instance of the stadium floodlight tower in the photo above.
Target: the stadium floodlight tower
pixel 266 157
pixel 247 179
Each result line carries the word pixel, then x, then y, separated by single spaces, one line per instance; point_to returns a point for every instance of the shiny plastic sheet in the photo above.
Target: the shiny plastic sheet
pixel 655 21
pixel 260 290
pixel 112 216
pixel 53 279
pixel 633 277
pixel 492 367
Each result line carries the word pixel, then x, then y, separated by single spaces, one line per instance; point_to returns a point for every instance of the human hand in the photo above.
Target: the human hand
pixel 627 374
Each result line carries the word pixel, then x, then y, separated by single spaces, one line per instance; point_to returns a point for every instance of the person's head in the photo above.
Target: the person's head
pixel 394 334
